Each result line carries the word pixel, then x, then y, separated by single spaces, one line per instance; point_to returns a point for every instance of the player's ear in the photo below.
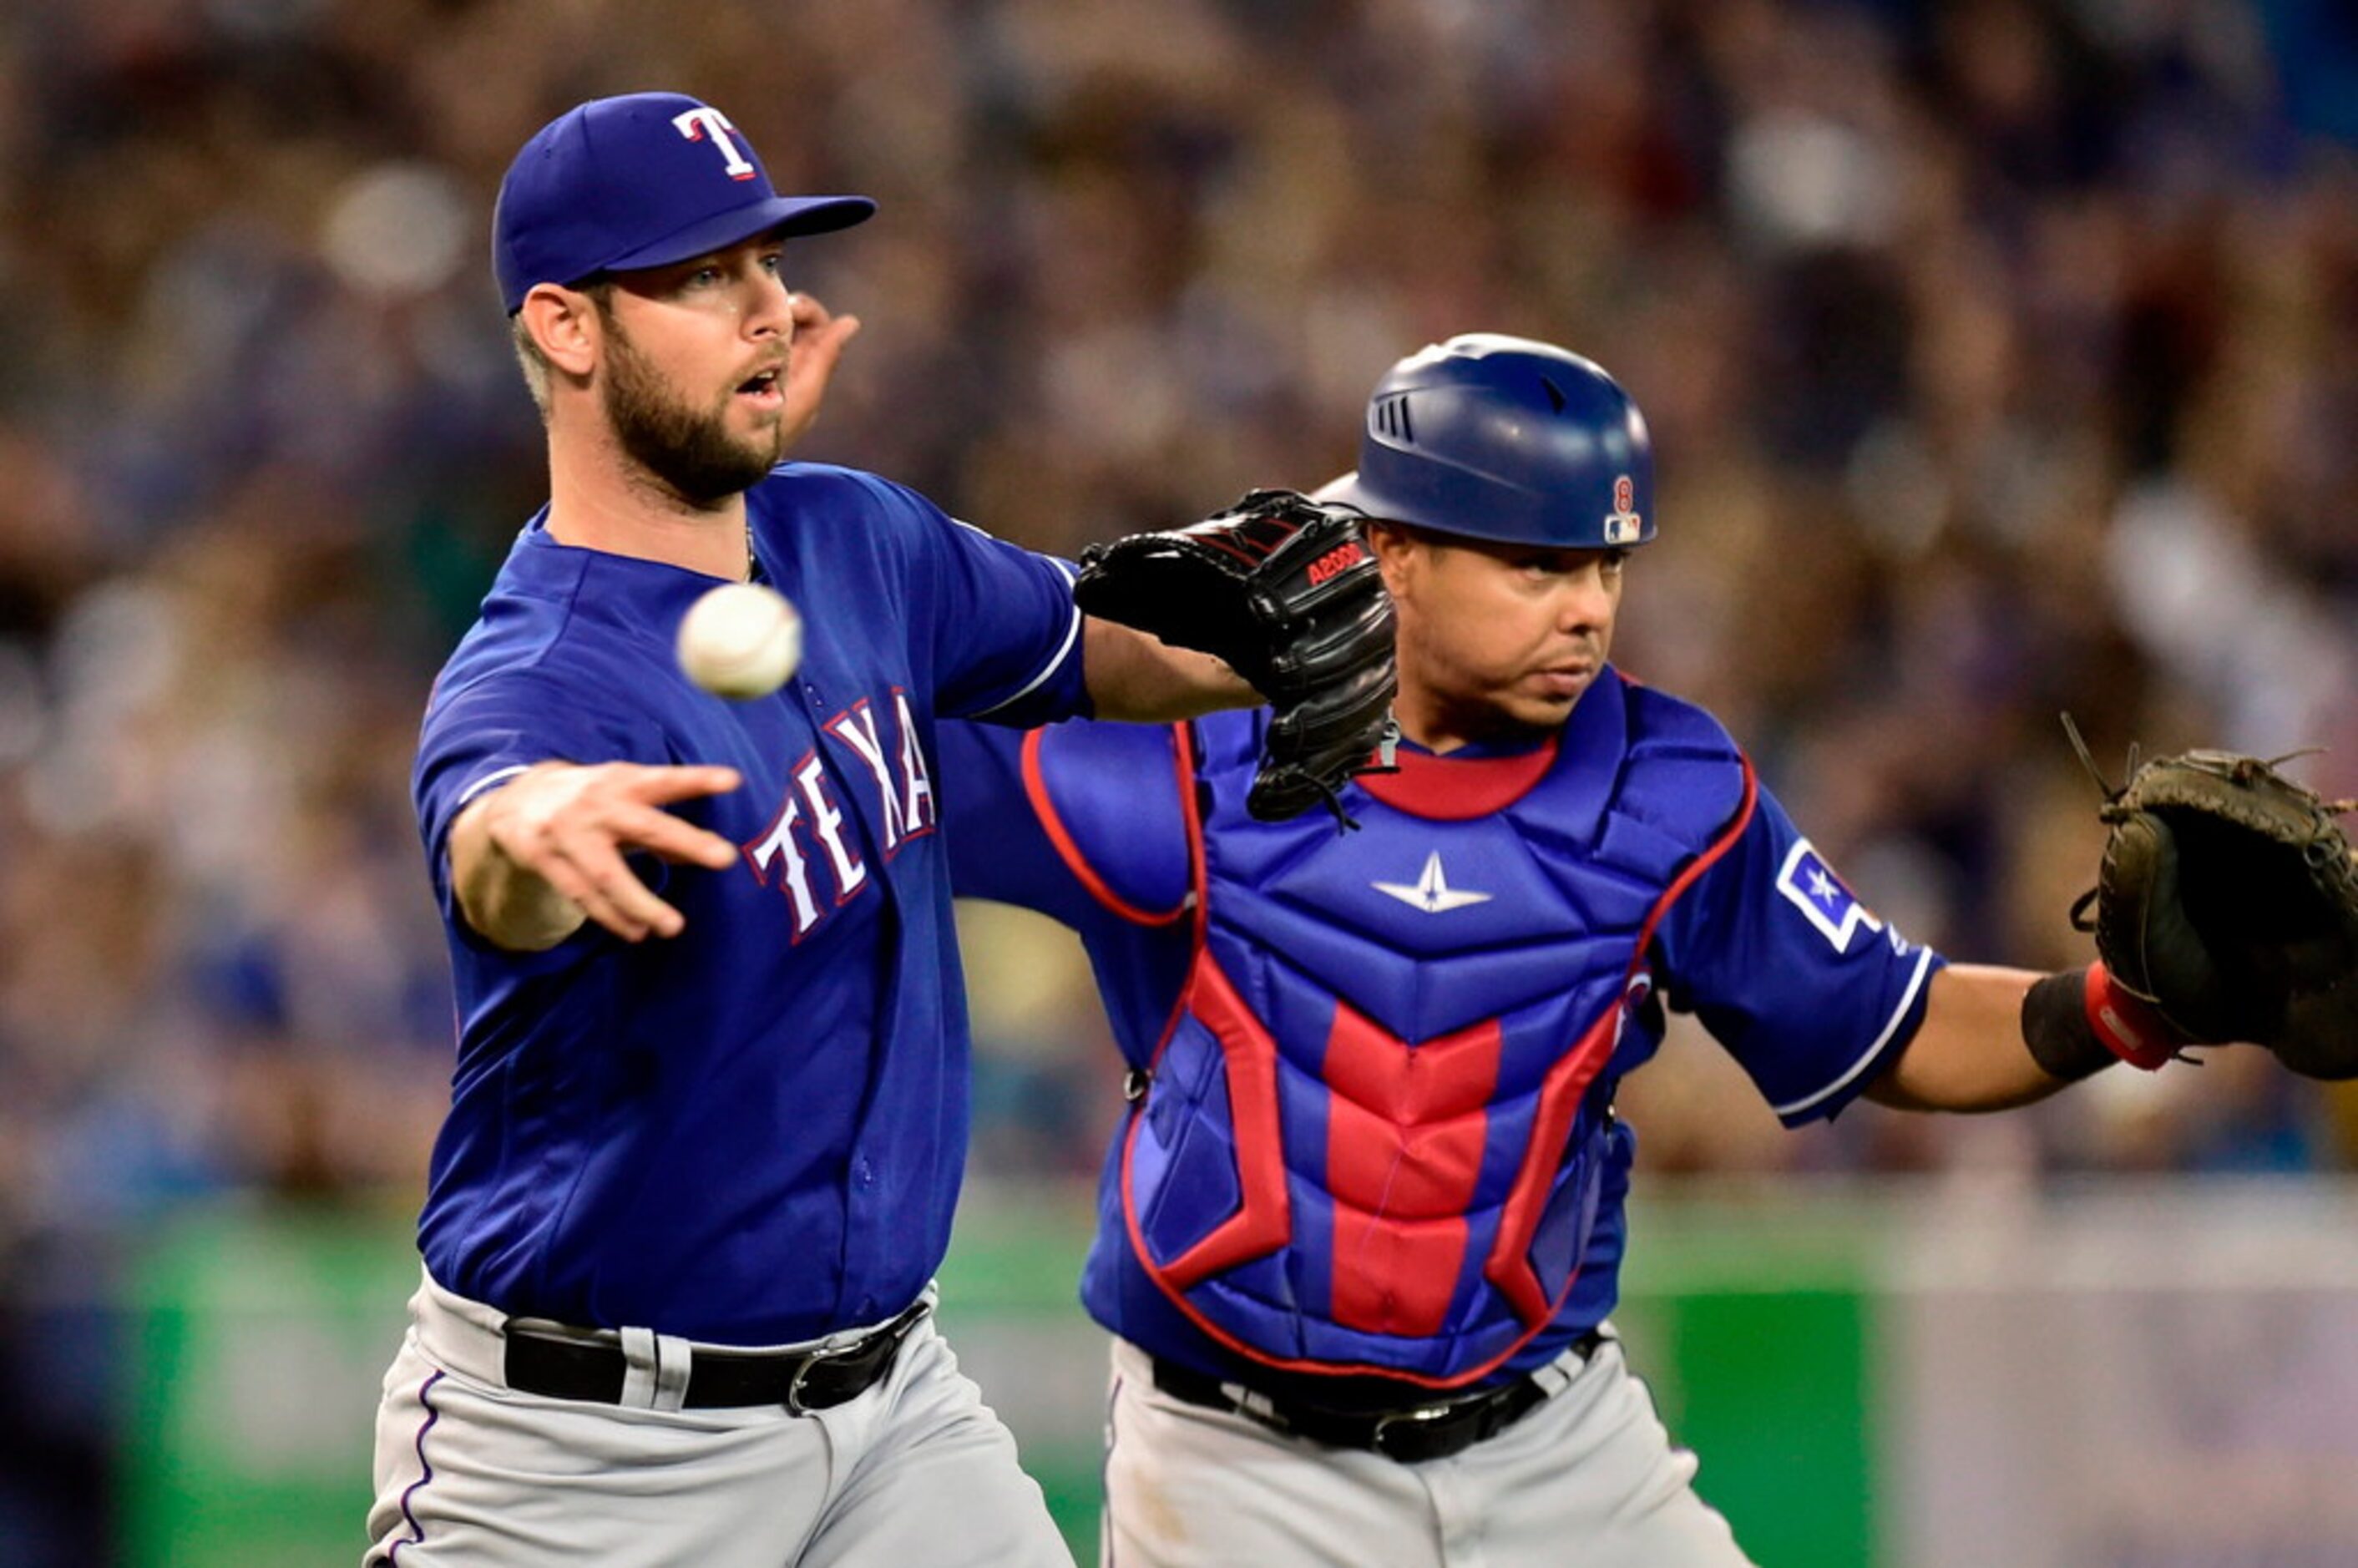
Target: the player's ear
pixel 1392 544
pixel 563 323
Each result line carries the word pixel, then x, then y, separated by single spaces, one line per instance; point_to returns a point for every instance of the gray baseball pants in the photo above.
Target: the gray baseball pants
pixel 1589 1477
pixel 916 1469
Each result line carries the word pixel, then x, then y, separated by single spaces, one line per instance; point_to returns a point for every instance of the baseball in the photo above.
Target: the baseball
pixel 742 639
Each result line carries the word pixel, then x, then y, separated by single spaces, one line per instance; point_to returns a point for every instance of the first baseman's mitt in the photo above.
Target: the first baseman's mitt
pixel 1286 591
pixel 2228 900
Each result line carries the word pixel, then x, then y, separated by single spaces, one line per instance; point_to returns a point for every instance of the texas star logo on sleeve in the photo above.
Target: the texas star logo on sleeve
pixel 1811 887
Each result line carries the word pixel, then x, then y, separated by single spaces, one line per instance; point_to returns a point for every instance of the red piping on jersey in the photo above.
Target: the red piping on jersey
pixel 1458 789
pixel 1508 1266
pixel 1068 850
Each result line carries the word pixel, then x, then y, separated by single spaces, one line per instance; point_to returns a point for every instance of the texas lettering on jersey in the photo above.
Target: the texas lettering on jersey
pixel 810 821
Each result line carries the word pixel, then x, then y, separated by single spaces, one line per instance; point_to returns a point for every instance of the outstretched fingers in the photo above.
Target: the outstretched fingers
pixel 589 869
pixel 575 827
pixel 669 836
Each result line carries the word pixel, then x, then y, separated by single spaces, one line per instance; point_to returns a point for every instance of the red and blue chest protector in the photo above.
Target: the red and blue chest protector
pixel 1376 1135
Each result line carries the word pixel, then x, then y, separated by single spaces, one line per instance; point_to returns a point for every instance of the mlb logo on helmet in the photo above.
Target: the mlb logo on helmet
pixel 1624 527
pixel 642 180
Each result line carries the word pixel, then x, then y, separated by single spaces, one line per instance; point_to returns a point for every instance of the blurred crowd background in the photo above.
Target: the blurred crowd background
pixel 2001 355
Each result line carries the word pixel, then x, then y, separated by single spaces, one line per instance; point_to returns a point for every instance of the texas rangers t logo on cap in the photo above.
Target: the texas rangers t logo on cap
pixel 705 119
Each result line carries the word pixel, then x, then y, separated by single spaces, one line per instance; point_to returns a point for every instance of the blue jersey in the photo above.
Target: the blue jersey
pixel 1379 1136
pixel 753 1132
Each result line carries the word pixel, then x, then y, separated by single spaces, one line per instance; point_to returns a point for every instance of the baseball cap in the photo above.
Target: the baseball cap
pixel 644 179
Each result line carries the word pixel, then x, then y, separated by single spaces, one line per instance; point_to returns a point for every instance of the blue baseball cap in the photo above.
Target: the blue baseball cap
pixel 642 180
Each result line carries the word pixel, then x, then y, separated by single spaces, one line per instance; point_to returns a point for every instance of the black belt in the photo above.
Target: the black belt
pixel 565 1368
pixel 1409 1434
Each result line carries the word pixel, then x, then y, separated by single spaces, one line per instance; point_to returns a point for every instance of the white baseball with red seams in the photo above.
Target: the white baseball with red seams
pixel 742 639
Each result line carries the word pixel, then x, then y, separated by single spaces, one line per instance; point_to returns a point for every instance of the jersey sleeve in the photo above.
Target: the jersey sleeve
pixel 1006 633
pixel 1082 821
pixel 1805 986
pixel 485 732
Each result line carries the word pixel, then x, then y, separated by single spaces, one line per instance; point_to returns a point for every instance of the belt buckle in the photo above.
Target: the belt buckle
pixel 1407 1422
pixel 888 1338
pixel 802 1372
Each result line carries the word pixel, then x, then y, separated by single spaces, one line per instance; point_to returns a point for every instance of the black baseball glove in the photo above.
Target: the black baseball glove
pixel 2228 900
pixel 1286 591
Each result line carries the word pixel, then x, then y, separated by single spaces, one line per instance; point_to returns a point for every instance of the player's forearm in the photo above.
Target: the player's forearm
pixel 507 904
pixel 1969 1054
pixel 1134 676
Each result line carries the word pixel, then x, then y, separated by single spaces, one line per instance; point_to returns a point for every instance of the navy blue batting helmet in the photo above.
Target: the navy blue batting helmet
pixel 1499 438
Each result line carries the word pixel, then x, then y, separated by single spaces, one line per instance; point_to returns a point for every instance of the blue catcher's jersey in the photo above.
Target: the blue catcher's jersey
pixel 1379 1136
pixel 752 1133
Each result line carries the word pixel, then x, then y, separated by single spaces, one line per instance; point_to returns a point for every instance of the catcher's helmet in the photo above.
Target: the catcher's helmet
pixel 1499 438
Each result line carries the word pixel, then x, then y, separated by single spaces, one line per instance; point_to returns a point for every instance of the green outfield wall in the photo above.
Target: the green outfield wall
pixel 1880 1378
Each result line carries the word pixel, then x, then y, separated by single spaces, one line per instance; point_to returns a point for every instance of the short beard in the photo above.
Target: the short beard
pixel 691 454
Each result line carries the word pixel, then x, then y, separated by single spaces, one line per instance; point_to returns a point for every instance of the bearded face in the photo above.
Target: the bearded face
pixel 689 448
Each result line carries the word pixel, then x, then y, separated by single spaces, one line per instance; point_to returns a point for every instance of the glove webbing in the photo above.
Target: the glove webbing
pixel 2315 852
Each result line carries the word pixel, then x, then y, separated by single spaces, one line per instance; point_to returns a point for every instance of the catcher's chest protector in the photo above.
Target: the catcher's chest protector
pixel 1373 1136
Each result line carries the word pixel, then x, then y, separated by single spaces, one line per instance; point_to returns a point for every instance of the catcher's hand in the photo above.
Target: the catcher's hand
pixel 2228 901
pixel 1285 590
